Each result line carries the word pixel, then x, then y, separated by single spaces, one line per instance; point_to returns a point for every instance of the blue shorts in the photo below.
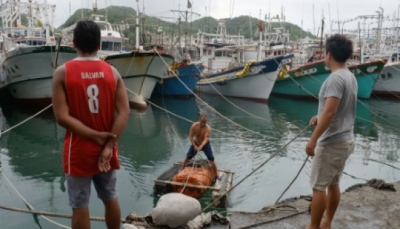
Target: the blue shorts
pixel 206 149
pixel 79 188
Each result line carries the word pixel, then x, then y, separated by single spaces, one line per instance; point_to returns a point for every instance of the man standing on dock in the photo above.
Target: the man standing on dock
pixel 333 138
pixel 90 101
pixel 199 136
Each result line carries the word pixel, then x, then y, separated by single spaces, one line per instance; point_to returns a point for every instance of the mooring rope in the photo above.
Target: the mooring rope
pixel 31 208
pixel 233 104
pixel 258 167
pixel 358 100
pixel 27 119
pixel 185 119
pixel 297 175
pixel 213 109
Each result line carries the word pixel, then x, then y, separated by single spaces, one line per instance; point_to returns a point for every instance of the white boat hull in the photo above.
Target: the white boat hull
pixel 255 87
pixel 28 71
pixel 254 84
pixel 140 72
pixel 388 82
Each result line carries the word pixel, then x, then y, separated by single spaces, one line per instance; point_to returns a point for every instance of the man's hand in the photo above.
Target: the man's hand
pixel 105 158
pixel 311 147
pixel 314 120
pixel 101 137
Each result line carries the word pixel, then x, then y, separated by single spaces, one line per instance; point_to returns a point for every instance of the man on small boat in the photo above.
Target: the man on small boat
pixel 333 138
pixel 199 136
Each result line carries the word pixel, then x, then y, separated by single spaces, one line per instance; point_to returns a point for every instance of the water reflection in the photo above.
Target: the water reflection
pixel 144 142
pixel 242 119
pixel 386 116
pixel 186 108
pixel 35 147
pixel 299 112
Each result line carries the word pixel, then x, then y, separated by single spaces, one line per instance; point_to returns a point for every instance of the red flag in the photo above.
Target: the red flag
pixel 260 26
pixel 189 5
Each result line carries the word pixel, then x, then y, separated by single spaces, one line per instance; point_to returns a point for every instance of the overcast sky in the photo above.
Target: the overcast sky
pixel 304 13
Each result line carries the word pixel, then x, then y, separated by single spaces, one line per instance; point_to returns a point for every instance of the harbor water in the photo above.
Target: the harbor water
pixel 244 135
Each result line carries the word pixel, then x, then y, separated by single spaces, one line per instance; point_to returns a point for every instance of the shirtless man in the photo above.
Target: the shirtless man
pixel 199 136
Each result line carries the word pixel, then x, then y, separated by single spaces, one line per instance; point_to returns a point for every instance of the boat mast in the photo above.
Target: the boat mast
pixel 322 35
pixel 185 15
pixel 380 19
pixel 361 44
pixel 137 26
pixel 106 17
pixel 46 18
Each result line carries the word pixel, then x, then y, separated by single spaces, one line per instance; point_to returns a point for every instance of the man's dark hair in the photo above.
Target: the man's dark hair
pixel 87 36
pixel 340 47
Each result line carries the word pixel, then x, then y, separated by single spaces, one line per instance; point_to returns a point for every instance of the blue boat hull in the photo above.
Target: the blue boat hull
pixel 182 85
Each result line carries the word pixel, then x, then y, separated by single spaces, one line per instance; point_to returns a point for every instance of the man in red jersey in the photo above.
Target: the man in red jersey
pixel 90 101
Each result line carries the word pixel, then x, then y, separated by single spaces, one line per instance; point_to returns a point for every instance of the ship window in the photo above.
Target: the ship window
pixel 390 75
pixel 107 45
pixel 383 76
pixel 34 43
pixel 117 46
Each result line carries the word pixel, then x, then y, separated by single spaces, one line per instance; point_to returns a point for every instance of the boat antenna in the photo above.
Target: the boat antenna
pixel 106 16
pixel 313 18
pixel 137 26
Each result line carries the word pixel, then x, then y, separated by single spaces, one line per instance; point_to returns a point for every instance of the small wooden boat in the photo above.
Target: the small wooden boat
pixel 195 179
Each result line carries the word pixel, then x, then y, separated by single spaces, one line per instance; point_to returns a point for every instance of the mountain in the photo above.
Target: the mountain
pixel 118 15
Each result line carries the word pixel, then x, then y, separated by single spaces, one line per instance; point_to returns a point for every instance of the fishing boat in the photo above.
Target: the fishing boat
pixel 307 80
pixel 181 79
pixel 388 82
pixel 252 81
pixel 194 180
pixel 140 69
pixel 111 41
pixel 31 53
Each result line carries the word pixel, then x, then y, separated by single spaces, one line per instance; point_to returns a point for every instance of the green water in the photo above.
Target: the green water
pixel 30 154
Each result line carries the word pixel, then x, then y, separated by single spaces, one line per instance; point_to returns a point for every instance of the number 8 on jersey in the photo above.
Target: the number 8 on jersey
pixel 93 93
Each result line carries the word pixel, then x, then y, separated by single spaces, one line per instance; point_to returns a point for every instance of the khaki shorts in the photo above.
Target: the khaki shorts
pixel 328 164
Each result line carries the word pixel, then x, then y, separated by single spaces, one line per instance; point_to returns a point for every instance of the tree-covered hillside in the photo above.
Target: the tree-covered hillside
pixel 118 15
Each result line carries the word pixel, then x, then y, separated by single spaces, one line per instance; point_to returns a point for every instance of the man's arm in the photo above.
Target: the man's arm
pixel 123 110
pixel 327 115
pixel 61 111
pixel 191 135
pixel 206 137
pixel 324 121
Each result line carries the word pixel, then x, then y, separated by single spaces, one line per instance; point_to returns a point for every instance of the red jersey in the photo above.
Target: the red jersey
pixel 90 87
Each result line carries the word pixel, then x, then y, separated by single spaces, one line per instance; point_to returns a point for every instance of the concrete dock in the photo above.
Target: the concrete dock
pixel 361 206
